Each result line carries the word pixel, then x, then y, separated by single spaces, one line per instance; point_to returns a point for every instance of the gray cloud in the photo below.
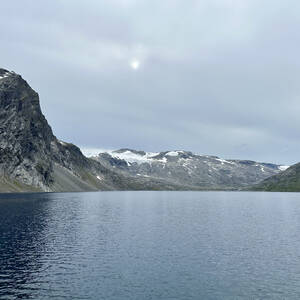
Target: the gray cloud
pixel 216 77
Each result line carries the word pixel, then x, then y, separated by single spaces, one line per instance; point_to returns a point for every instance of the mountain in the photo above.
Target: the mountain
pixel 33 159
pixel 188 170
pixel 287 181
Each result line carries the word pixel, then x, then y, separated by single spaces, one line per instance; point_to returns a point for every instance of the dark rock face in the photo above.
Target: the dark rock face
pixel 25 136
pixel 188 170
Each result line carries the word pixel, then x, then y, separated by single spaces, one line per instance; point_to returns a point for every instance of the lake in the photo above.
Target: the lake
pixel 150 245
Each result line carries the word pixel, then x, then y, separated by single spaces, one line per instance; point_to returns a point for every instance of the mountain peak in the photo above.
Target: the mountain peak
pixel 124 150
pixel 25 134
pixel 3 71
pixel 7 74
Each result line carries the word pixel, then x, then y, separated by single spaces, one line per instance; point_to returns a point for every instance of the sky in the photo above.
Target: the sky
pixel 216 77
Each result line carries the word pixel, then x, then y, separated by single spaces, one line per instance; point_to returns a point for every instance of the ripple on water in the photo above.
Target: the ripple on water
pixel 150 245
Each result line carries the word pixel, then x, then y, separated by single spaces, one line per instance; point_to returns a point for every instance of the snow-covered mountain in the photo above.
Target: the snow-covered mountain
pixel 187 169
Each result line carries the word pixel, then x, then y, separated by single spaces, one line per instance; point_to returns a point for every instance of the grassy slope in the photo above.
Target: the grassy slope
pixel 287 181
pixel 8 185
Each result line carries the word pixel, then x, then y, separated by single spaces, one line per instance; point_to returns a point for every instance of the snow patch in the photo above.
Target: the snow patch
pixel 62 143
pixel 89 152
pixel 131 157
pixel 172 153
pixel 283 168
pixel 7 74
pixel 223 161
pixel 186 161
pixel 163 160
pixel 152 154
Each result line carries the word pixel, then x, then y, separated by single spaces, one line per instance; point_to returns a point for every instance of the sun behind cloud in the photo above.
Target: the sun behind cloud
pixel 135 64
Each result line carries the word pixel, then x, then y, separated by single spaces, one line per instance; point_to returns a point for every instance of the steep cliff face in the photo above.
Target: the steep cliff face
pixel 25 136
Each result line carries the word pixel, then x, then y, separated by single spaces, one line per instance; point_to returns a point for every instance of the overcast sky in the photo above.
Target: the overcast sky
pixel 219 77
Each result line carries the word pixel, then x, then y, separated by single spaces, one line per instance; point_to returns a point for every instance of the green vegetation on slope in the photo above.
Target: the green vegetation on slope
pixel 287 181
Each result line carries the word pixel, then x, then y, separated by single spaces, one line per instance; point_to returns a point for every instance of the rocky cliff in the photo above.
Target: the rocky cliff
pixel 33 159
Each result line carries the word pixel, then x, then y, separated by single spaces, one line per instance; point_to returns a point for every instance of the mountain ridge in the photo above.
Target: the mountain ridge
pixel 188 169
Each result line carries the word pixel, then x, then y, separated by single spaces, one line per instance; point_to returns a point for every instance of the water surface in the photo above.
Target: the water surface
pixel 150 245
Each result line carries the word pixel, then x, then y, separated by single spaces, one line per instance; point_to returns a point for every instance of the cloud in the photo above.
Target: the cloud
pixel 216 77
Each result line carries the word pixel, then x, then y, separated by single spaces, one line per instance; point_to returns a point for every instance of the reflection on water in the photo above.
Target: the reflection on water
pixel 22 243
pixel 150 245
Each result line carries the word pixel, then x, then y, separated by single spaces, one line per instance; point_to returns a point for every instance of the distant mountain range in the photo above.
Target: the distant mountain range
pixel 33 159
pixel 188 170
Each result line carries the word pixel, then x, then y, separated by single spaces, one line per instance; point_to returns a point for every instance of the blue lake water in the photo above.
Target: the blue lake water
pixel 150 245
